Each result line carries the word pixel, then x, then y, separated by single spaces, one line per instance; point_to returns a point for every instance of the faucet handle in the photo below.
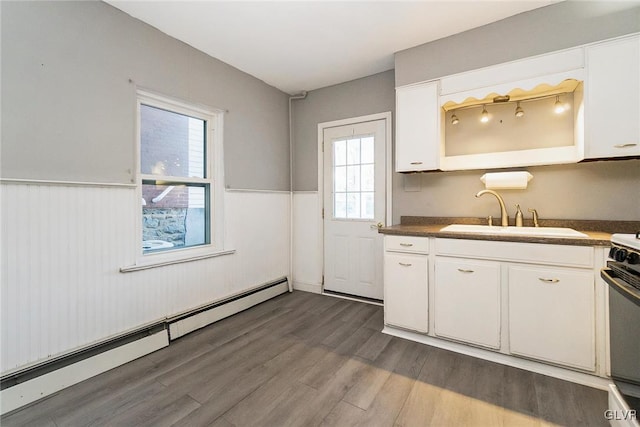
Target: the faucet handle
pixel 518 216
pixel 535 217
pixel 490 221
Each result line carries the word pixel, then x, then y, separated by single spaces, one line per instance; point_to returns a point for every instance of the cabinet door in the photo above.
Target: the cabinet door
pixel 551 315
pixel 613 99
pixel 417 127
pixel 467 301
pixel 405 291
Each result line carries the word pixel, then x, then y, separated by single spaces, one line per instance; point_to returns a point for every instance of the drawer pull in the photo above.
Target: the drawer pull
pixel 462 270
pixel 408 245
pixel 542 279
pixel 416 163
pixel 630 144
pixel 404 264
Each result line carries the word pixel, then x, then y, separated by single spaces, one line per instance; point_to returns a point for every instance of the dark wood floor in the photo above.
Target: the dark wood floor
pixel 305 360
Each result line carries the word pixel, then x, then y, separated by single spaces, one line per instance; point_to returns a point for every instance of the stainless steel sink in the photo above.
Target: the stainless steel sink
pixel 515 231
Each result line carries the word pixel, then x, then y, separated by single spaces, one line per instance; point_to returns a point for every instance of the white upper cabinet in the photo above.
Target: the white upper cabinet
pixel 417 127
pixel 612 116
pixel 439 126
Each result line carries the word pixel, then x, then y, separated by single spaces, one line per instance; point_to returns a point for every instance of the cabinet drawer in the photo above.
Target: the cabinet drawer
pixel 407 244
pixel 405 291
pixel 552 315
pixel 530 253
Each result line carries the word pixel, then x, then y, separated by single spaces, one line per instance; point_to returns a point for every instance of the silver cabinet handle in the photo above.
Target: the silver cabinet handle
pixel 631 144
pixel 416 163
pixel 405 264
pixel 462 270
pixel 542 279
pixel 408 245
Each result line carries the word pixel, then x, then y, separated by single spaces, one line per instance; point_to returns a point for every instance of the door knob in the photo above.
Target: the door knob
pixel 376 226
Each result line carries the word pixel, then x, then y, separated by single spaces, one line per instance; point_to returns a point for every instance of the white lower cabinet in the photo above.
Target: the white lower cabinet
pixel 467 301
pixel 551 315
pixel 405 291
pixel 530 300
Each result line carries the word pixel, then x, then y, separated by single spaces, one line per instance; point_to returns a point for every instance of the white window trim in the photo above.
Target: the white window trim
pixel 214 168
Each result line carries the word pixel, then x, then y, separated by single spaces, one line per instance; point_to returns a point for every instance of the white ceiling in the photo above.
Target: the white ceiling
pixel 306 45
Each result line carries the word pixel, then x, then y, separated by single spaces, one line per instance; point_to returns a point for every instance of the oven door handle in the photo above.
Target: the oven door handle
pixel 620 286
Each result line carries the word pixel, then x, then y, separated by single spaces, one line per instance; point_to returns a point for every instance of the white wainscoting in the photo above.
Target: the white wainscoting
pixel 63 246
pixel 307 242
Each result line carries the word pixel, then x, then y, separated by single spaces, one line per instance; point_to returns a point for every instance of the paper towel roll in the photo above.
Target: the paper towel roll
pixel 506 180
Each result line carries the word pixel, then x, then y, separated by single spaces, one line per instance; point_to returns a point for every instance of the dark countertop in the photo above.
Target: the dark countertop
pixel 598 232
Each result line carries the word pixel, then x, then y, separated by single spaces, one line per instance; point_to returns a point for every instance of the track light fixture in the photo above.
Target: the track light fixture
pixel 558 107
pixel 484 116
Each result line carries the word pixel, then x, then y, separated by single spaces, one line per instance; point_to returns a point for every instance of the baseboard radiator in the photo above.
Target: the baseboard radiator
pixel 28 385
pixel 210 313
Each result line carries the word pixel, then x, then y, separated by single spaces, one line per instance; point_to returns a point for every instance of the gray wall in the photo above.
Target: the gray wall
pixel 69 108
pixel 558 26
pixel 369 95
pixel 608 190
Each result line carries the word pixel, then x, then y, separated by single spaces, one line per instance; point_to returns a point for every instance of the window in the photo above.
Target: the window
pixel 176 179
pixel 353 177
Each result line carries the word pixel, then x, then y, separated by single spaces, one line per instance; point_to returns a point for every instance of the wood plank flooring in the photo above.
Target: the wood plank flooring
pixel 303 359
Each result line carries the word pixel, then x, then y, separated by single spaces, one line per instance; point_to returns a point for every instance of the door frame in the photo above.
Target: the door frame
pixel 386 116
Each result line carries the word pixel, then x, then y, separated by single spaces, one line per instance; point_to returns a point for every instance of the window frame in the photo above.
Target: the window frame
pixel 213 172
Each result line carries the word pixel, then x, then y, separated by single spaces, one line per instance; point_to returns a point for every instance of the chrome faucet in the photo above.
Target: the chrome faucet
pixel 504 216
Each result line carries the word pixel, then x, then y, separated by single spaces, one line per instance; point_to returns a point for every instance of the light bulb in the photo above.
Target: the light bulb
pixel 558 107
pixel 455 120
pixel 484 116
pixel 519 110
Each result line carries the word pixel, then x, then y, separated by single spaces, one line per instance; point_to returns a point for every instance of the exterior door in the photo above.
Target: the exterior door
pixel 354 208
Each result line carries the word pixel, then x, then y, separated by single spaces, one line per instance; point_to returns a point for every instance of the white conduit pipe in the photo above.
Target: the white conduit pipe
pixel 302 95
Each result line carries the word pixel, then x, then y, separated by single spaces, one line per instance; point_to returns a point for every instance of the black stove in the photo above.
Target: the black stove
pixel 623 277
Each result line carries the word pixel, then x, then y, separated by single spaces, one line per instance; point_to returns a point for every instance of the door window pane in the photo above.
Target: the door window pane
pixel 367 205
pixel 353 151
pixel 340 152
pixel 340 206
pixel 353 178
pixel 366 150
pixel 353 205
pixel 367 177
pixel 340 179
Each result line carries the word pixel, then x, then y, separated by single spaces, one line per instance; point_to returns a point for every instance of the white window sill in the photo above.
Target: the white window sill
pixel 161 263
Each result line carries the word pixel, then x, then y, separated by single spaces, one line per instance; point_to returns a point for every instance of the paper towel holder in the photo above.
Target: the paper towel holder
pixel 516 180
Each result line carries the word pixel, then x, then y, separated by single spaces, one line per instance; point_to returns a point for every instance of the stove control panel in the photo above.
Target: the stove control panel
pixel 622 254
